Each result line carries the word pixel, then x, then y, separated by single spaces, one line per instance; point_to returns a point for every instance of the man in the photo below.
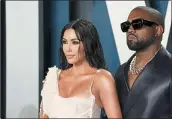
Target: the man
pixel 144 81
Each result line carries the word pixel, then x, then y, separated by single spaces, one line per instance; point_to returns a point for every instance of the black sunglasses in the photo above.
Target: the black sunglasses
pixel 136 24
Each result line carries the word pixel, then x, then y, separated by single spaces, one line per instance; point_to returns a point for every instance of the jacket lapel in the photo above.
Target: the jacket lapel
pixel 141 83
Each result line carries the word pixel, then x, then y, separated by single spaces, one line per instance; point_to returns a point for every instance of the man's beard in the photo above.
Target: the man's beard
pixel 140 44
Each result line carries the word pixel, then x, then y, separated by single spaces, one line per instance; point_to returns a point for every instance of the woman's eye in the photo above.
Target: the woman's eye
pixel 64 42
pixel 75 42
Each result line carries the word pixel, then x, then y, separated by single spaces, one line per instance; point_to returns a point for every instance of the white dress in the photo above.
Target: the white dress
pixel 55 106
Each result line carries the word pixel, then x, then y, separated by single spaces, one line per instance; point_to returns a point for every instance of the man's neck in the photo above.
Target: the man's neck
pixel 143 57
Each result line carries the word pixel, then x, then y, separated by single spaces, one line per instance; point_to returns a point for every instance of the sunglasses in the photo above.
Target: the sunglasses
pixel 136 24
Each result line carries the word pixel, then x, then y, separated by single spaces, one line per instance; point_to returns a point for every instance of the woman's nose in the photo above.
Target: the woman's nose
pixel 69 47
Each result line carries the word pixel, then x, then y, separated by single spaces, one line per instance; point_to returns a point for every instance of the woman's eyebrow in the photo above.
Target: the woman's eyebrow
pixel 71 39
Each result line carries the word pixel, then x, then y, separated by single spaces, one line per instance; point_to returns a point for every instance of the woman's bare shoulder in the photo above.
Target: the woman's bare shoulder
pixel 103 74
pixel 104 78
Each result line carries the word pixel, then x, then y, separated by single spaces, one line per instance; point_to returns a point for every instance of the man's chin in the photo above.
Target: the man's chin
pixel 135 48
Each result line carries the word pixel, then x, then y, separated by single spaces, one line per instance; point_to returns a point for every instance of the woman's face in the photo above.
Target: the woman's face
pixel 72 47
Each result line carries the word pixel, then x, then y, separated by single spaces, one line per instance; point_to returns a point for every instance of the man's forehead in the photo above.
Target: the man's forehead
pixel 139 13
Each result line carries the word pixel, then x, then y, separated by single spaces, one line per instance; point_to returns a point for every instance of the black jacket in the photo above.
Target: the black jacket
pixel 151 93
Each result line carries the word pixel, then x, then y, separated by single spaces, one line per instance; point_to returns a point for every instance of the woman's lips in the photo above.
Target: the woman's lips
pixel 70 56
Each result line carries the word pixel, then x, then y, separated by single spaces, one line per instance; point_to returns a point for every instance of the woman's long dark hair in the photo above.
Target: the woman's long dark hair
pixel 87 33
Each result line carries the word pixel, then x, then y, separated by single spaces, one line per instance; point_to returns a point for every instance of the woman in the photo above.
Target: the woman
pixel 81 86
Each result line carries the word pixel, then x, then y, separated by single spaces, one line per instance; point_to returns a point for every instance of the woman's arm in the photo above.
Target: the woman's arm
pixel 106 88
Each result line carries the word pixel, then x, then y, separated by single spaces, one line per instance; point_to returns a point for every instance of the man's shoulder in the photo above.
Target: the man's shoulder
pixel 122 66
pixel 120 70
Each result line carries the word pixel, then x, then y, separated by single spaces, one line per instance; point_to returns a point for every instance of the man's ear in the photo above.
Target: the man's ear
pixel 159 31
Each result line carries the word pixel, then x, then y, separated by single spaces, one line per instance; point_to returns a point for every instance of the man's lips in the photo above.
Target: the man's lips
pixel 131 37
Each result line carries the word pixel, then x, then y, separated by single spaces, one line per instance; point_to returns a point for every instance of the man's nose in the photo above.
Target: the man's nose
pixel 131 29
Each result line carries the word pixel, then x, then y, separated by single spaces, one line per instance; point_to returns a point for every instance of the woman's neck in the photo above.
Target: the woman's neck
pixel 80 68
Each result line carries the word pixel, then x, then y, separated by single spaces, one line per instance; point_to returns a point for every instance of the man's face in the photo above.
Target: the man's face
pixel 140 39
